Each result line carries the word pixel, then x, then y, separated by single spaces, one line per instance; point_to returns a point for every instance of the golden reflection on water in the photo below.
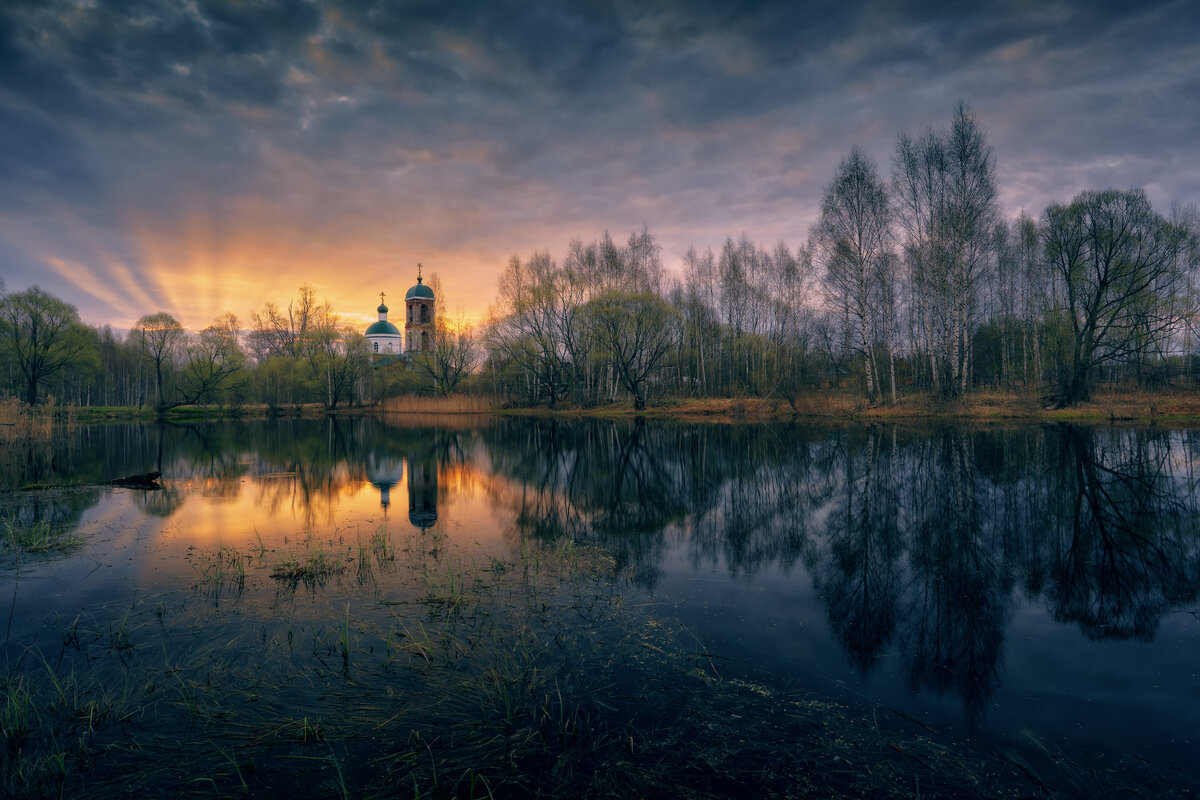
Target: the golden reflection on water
pixel 278 509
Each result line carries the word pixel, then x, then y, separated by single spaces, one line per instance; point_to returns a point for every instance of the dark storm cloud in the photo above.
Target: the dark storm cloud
pixel 498 126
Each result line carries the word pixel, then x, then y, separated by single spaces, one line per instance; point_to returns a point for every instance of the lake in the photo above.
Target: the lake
pixel 468 606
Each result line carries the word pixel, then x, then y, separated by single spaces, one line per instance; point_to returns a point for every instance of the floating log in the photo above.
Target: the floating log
pixel 145 480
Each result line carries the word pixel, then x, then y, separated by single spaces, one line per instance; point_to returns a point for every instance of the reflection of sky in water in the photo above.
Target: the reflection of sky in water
pixel 867 563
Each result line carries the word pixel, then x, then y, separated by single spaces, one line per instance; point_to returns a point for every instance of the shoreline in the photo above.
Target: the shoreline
pixel 1175 407
pixel 1132 408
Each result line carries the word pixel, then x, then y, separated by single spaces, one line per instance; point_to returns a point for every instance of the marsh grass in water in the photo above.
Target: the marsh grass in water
pixel 20 422
pixel 220 573
pixel 38 536
pixel 315 567
pixel 466 677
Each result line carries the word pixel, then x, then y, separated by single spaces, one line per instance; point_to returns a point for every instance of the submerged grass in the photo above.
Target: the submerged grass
pixel 39 536
pixel 315 567
pixel 980 405
pixel 513 675
pixel 221 573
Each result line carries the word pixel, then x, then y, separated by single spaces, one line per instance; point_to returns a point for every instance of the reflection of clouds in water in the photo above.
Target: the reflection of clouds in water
pixel 916 541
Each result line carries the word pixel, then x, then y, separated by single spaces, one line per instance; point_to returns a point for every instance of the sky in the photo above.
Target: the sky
pixel 204 156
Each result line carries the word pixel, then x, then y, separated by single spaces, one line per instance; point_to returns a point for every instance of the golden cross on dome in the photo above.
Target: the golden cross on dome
pixel 381 298
pixel 418 272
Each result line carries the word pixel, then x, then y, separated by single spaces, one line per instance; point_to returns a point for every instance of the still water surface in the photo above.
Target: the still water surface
pixel 1023 587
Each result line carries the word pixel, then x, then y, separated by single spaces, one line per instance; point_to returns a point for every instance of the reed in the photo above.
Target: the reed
pixel 453 404
pixel 38 536
pixel 19 422
pixel 316 567
pixel 17 712
pixel 220 572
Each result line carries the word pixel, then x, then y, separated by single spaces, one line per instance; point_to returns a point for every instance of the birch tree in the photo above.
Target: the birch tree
pixel 853 246
pixel 945 186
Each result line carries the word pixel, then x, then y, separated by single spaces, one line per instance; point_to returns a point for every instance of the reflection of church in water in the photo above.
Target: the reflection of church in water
pixel 421 470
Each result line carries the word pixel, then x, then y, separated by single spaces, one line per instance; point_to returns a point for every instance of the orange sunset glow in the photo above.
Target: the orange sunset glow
pixel 205 268
pixel 199 159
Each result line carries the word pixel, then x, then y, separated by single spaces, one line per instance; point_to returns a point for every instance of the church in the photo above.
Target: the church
pixel 420 323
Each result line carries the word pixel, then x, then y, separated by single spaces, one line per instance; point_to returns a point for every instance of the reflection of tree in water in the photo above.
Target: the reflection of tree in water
pixel 915 539
pixel 158 502
pixel 957 600
pixel 911 551
pixel 80 454
pixel 729 490
pixel 61 509
pixel 857 570
pixel 592 482
pixel 762 479
pixel 1124 529
pixel 24 462
pixel 927 534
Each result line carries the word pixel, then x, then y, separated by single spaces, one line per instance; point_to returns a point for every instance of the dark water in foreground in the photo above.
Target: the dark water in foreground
pixel 1027 589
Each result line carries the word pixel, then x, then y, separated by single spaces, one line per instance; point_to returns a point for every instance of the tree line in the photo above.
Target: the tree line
pixel 288 356
pixel 908 282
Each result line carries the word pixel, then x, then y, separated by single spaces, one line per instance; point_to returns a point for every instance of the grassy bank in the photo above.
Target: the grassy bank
pixel 454 404
pixel 1173 407
pixel 1177 406
pixel 96 414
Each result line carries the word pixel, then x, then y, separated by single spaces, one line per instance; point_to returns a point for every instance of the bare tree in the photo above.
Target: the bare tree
pixel 1187 217
pixel 454 355
pixel 1034 300
pixel 290 332
pixel 159 337
pixel 1117 262
pixel 945 186
pixel 635 331
pixel 852 243
pixel 215 362
pixel 524 326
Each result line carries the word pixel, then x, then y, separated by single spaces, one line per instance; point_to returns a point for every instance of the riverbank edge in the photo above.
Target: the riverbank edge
pixel 1173 408
pixel 1176 407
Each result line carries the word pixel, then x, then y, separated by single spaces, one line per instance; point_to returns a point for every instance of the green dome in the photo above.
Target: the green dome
pixel 383 327
pixel 420 290
pixel 382 309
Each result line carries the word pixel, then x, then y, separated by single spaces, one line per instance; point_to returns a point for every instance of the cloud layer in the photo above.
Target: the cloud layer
pixel 198 157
